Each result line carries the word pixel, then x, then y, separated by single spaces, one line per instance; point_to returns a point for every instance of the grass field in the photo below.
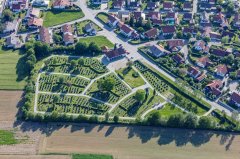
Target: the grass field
pixel 91 156
pixel 103 17
pixel 99 40
pixel 12 73
pixel 7 138
pixel 52 18
pixel 128 75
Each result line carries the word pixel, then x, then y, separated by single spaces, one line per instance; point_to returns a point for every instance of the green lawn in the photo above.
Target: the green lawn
pixel 12 71
pixel 52 18
pixel 169 110
pixel 91 156
pixel 103 17
pixel 82 24
pixel 128 75
pixel 99 40
pixel 7 138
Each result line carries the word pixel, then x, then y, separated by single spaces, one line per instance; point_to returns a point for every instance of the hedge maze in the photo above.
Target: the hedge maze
pixel 70 104
pixel 88 67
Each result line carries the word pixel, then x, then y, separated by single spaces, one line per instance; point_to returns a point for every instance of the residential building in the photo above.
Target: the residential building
pixel 126 30
pixel 61 4
pixel 157 51
pixel 187 6
pixel 168 5
pixel 45 35
pixel 116 52
pixel 151 5
pixel 175 45
pixel 199 45
pixel 168 30
pixel 187 16
pixel 219 52
pixel 235 99
pixel 35 23
pixel 214 88
pixel 68 37
pixel 40 3
pixel 154 15
pixel 221 70
pixel 33 13
pixel 193 72
pixel 11 27
pixel 178 59
pixel 90 28
pixel 13 41
pixel 134 5
pixel 112 20
pixel 118 4
pixel 123 15
pixel 236 21
pixel 204 17
pixel 204 62
pixel 138 14
pixel 151 34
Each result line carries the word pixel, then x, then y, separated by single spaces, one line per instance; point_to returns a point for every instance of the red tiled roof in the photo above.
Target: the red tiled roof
pixel 126 29
pixel 151 33
pixel 175 43
pixel 168 29
pixel 219 52
pixel 61 3
pixel 67 28
pixel 35 21
pixel 168 5
pixel 235 97
pixel 193 71
pixel 115 52
pixel 45 35
pixel 222 69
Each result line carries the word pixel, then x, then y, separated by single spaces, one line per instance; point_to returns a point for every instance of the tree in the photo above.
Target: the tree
pixel 205 122
pixel 198 36
pixel 57 38
pixel 106 84
pixel 179 34
pixel 107 116
pixel 190 121
pixel 7 15
pixel 140 29
pixel 81 48
pixel 2 27
pixel 74 63
pixel 81 61
pixel 225 39
pixel 148 24
pixel 131 21
pixel 140 22
pixel 41 50
pixel 116 119
pixel 176 120
pixel 189 35
pixel 206 39
pixel 140 95
pixel 94 48
pixel 230 7
pixel 154 118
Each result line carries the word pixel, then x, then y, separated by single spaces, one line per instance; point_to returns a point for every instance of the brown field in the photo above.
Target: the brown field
pixel 122 142
pixel 142 142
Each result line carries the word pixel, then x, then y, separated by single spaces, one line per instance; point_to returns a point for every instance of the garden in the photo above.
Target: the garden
pixel 87 67
pixel 130 76
pixel 81 25
pixel 103 17
pixel 134 106
pixel 62 83
pixel 99 40
pixel 70 104
pixel 109 89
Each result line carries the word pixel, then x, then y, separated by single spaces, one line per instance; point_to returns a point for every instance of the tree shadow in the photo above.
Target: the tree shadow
pixel 21 69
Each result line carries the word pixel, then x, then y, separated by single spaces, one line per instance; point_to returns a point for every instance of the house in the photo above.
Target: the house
pixel 214 36
pixel 214 88
pixel 201 77
pixel 97 2
pixel 45 35
pixel 193 72
pixel 205 6
pixel 154 15
pixel 61 4
pixel 221 70
pixel 205 31
pixel 178 59
pixel 90 28
pixel 151 5
pixel 13 41
pixel 134 5
pixel 40 3
pixel 134 35
pixel 170 16
pixel 118 4
pixel 228 33
pixel 219 52
pixel 168 30
pixel 138 14
pixel 33 12
pixel 18 5
pixel 112 20
pixel 187 6
pixel 11 27
pixel 124 15
pixel 175 45
pixel 235 99
pixel 157 51
pixel 219 18
pixel 204 62
pixel 192 31
pixel 204 17
pixel 168 5
pixel 236 21
pixel 211 1
pixel 187 16
pixel 116 52
pixel 199 45
pixel 238 74
pixel 158 22
pixel 68 38
pixel 35 23
pixel 151 34
pixel 126 30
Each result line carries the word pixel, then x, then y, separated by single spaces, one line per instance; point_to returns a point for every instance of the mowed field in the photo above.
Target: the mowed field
pixel 12 75
pixel 142 142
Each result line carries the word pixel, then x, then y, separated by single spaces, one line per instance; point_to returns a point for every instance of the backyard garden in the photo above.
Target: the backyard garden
pixel 81 25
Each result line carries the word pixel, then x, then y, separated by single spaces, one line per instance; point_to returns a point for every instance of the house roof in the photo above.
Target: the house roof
pixel 193 71
pixel 219 52
pixel 137 14
pixel 115 52
pixel 201 77
pixel 35 12
pixel 178 58
pixel 112 18
pixel 35 21
pixel 189 30
pixel 235 97
pixel 215 35
pixel 170 15
pixel 13 40
pixel 168 29
pixel 168 5
pixel 67 28
pixel 89 26
pixel 175 43
pixel 118 3
pixel 68 38
pixel 228 33
pixel 222 69
pixel 154 14
pixel 204 61
pixel 215 86
pixel 187 5
pixel 156 21
pixel 151 33
pixel 158 50
pixel 126 29
pixel 200 43
pixel 151 4
pixel 61 3
pixel 187 16
pixel 45 35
